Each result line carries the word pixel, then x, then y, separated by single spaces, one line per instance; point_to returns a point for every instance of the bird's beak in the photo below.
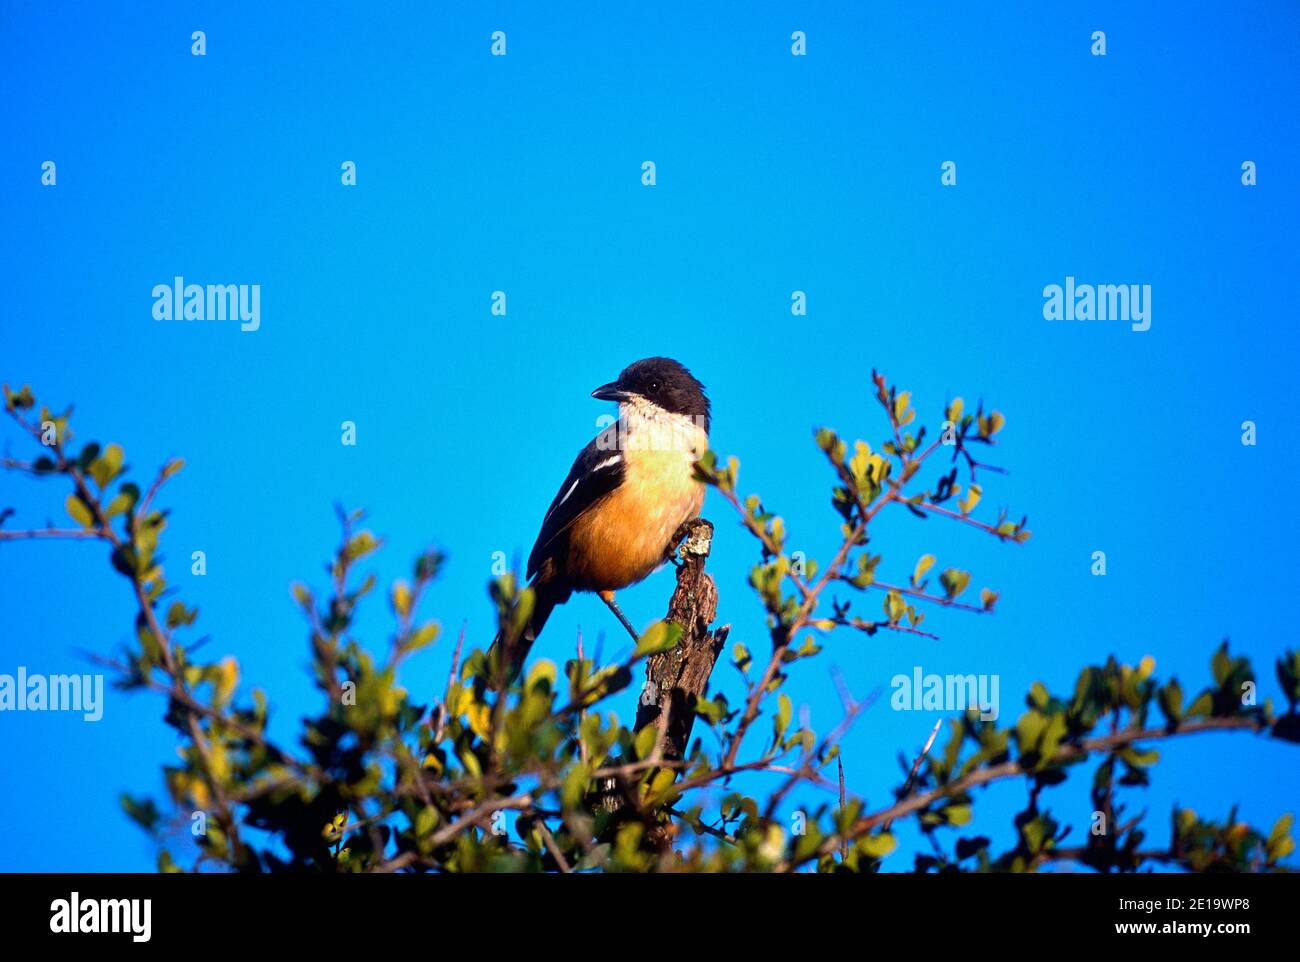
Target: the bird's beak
pixel 610 392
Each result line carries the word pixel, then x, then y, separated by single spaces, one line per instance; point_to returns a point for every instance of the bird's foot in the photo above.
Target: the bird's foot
pixel 681 534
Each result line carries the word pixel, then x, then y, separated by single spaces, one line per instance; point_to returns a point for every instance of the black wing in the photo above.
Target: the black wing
pixel 597 471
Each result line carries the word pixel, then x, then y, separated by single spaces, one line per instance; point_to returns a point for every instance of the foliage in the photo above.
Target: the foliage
pixel 518 775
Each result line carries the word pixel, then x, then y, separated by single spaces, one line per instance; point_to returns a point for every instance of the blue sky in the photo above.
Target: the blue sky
pixel 775 173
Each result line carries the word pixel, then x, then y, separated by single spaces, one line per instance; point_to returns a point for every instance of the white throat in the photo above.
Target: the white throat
pixel 649 427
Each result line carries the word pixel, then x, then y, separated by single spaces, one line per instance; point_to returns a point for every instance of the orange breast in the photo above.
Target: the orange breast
pixel 624 537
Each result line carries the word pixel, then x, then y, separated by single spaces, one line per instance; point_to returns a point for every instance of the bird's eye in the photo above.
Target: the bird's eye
pixel 654 386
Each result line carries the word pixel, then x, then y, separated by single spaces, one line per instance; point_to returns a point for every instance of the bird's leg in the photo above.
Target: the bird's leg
pixel 608 598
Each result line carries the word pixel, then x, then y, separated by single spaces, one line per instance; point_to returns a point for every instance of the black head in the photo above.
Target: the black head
pixel 661 381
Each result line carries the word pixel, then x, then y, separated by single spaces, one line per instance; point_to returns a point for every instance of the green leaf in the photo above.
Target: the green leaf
pixel 422 637
pixel 574 786
pixel 1035 833
pixel 1171 701
pixel 107 466
pixel 1280 842
pixel 661 636
pixel 922 566
pixel 141 810
pixel 901 401
pixel 895 607
pixel 954 581
pixel 425 820
pixel 1038 696
pixel 958 814
pixel 21 399
pixel 785 708
pixel 1202 707
pixel 1282 827
pixel 79 512
pixel 361 544
pixel 226 678
pixel 1221 664
pixel 471 763
pixel 87 456
pixel 1139 758
pixel 645 741
pixel 877 846
pixel 712 711
pixel 400 598
pixel 178 615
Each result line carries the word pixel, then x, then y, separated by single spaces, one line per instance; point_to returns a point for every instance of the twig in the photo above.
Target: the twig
pixel 73 533
pixel 844 845
pixel 549 840
pixel 916 766
pixel 1012 769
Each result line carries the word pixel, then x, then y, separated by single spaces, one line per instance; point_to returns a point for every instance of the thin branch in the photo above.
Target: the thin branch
pixel 549 840
pixel 966 519
pixel 932 599
pixel 75 534
pixel 844 846
pixel 1013 769
pixel 916 766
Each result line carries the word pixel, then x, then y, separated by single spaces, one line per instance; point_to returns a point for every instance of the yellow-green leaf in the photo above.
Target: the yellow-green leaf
pixel 106 467
pixel 660 636
pixel 79 512
pixel 954 581
pixel 922 566
pixel 401 598
pixel 900 403
pixel 877 846
pixel 895 607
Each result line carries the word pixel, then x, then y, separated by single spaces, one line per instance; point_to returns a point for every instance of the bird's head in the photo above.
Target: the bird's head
pixel 658 383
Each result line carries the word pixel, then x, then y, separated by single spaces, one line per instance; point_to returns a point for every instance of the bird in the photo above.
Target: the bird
pixel 616 516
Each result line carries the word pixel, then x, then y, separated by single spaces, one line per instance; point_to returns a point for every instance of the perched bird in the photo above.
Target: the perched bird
pixel 615 517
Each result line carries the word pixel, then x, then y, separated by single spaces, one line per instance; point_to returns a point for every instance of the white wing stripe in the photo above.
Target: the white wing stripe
pixel 609 462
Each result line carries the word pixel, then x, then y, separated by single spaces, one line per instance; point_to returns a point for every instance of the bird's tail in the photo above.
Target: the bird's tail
pixel 546 596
